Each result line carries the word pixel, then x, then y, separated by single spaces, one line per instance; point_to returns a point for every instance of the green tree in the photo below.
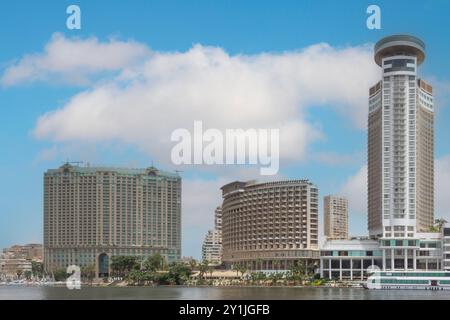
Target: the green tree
pixel 37 269
pixel 276 265
pixel 274 277
pixel 439 224
pixel 122 265
pixel 240 269
pixel 301 270
pixel 138 277
pixel 28 274
pixel 193 264
pixel 258 276
pixel 154 262
pixel 60 274
pixel 161 277
pixel 203 268
pixel 259 262
pixel 210 270
pixel 179 273
pixel 88 272
pixel 297 271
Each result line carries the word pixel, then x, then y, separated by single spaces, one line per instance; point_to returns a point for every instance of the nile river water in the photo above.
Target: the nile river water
pixel 213 293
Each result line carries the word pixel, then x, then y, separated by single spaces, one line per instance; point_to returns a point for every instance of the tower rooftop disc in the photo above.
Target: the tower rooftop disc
pixel 400 44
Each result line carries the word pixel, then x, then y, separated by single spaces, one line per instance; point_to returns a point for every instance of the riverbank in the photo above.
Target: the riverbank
pixel 125 284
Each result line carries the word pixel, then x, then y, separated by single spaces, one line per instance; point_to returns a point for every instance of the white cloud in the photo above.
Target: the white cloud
pixel 74 60
pixel 157 92
pixel 138 97
pixel 355 190
pixel 200 198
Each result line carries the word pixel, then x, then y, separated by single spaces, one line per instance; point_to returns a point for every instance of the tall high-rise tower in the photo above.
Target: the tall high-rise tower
pixel 335 213
pixel 400 142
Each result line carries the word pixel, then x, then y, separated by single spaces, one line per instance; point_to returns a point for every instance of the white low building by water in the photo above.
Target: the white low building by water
pixel 351 259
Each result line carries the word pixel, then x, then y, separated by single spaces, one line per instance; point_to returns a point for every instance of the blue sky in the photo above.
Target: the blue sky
pixel 334 159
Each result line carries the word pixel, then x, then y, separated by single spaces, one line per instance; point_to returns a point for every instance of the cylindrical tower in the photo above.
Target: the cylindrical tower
pixel 400 143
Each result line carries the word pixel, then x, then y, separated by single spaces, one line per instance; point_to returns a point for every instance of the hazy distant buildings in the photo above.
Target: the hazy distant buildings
pixel 13 268
pixel 16 260
pixel 212 244
pixel 269 226
pixel 32 251
pixel 335 210
pixel 94 213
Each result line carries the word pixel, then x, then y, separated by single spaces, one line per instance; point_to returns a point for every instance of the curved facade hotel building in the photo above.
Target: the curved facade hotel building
pixel 94 213
pixel 269 226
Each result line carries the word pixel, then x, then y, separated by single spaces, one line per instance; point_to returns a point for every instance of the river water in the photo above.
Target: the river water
pixel 214 293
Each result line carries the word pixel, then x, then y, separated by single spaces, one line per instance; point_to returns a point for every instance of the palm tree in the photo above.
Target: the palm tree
pixel 28 274
pixel 202 268
pixel 235 267
pixel 193 264
pixel 440 223
pixel 276 265
pixel 88 272
pixel 37 269
pixel 296 271
pixel 259 262
pixel 210 270
pixel 242 269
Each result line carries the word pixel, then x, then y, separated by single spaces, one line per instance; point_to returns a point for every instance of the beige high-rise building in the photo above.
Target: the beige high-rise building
pixel 212 244
pixel 269 226
pixel 335 212
pixel 212 247
pixel 218 218
pixel 94 213
pixel 401 142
